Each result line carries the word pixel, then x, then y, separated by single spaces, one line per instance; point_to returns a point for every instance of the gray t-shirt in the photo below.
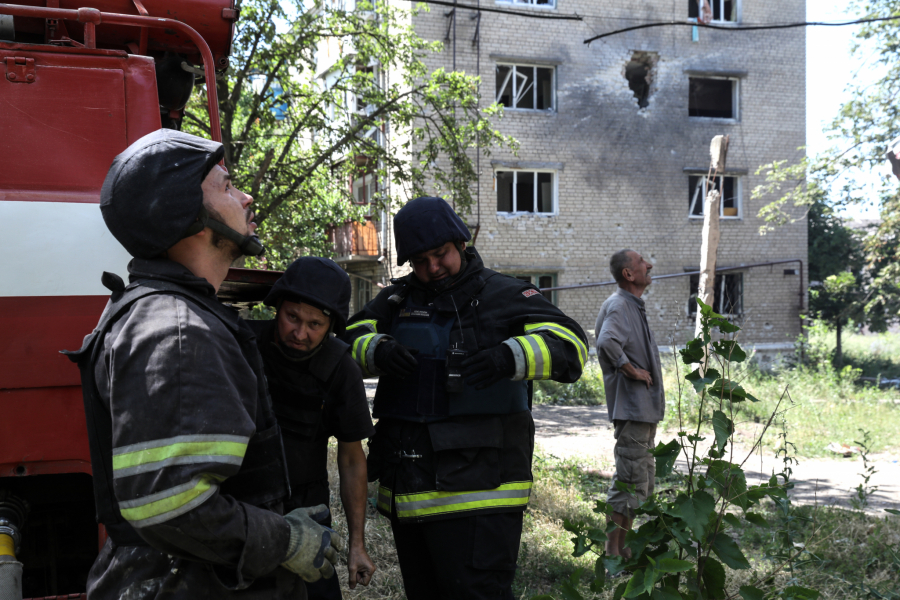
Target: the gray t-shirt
pixel 623 336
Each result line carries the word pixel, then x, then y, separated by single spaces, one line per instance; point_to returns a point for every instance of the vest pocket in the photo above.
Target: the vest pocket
pixel 467 453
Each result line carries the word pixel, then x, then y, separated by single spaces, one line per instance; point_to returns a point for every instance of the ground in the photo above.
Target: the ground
pixel 585 432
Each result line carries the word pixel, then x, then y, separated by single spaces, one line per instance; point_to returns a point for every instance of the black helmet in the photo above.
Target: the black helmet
pixel 317 281
pixel 152 195
pixel 426 223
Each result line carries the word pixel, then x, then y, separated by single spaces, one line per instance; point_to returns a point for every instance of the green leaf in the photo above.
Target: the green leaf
pixel 599 576
pixel 892 511
pixel 620 589
pixel 665 455
pixel 638 584
pixel 666 593
pixel 729 480
pixel 756 519
pixel 723 427
pixel 673 565
pixel 795 592
pixel 724 325
pixel 732 520
pixel 730 350
pixel 568 591
pixel 713 578
pixel 701 381
pixel 749 592
pixel 726 549
pixel 597 536
pixel 613 564
pixel 730 390
pixel 693 352
pixel 696 511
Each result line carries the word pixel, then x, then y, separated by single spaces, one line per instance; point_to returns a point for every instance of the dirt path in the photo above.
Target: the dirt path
pixel 584 432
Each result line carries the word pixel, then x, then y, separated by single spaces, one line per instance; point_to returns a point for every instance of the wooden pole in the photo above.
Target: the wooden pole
pixel 709 246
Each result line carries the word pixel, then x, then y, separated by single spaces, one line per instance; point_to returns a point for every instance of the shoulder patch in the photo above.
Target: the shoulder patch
pixel 530 292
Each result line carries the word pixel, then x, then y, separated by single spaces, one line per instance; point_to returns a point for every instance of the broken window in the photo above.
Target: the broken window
pixel 728 299
pixel 525 87
pixel 713 97
pixel 525 191
pixel 541 280
pixel 729 195
pixel 639 72
pixel 544 3
pixel 723 11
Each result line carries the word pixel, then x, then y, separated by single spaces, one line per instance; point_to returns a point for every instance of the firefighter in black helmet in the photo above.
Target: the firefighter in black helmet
pixel 317 392
pixel 188 465
pixel 454 344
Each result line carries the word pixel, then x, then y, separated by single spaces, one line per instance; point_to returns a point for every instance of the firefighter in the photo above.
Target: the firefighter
pixel 454 345
pixel 188 465
pixel 317 392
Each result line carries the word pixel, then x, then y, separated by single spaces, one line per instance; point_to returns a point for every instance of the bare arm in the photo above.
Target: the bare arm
pixel 352 469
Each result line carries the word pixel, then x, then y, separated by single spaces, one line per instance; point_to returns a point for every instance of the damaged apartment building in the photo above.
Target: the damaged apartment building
pixel 614 149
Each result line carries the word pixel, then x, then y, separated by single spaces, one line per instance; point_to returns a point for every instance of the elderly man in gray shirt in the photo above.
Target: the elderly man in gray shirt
pixel 632 376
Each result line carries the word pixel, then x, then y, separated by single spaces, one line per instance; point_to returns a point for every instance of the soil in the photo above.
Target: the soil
pixel 585 433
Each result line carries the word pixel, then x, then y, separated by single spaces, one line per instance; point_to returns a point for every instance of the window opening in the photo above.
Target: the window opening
pixel 723 11
pixel 544 3
pixel 525 87
pixel 728 299
pixel 713 98
pixel 363 293
pixel 541 280
pixel 524 191
pixel 729 199
pixel 639 73
pixel 364 188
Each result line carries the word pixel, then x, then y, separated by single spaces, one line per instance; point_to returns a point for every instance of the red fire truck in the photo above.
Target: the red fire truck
pixel 79 82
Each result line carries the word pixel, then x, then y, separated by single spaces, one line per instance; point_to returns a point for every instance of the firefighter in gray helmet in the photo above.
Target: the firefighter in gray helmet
pixel 188 463
pixel 455 345
pixel 318 393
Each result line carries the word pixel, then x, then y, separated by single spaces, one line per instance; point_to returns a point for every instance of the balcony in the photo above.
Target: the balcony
pixel 354 242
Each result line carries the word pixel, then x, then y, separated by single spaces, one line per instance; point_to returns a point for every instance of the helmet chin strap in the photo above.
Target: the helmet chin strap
pixel 248 244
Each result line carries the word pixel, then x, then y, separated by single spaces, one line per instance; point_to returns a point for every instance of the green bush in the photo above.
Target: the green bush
pixel 587 391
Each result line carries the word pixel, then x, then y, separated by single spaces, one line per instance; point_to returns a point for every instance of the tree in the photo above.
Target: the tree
pixel 295 133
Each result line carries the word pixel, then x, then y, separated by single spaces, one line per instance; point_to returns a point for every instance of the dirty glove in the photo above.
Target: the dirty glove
pixel 313 548
pixel 395 359
pixel 489 366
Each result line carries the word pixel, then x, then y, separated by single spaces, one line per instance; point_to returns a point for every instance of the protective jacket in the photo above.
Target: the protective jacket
pixel 441 454
pixel 189 471
pixel 313 399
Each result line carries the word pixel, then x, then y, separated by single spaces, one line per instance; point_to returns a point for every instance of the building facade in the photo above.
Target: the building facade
pixel 614 151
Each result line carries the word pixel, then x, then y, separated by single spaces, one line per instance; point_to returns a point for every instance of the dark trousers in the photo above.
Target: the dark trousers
pixel 313 494
pixel 467 558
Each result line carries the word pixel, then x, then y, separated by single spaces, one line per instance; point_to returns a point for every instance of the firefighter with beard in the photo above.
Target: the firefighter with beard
pixel 454 345
pixel 188 464
pixel 317 392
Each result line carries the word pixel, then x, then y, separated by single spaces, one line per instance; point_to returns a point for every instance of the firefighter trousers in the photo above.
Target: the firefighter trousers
pixel 471 557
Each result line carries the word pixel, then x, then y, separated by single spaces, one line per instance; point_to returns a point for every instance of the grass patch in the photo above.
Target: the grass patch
pixel 875 355
pixel 587 391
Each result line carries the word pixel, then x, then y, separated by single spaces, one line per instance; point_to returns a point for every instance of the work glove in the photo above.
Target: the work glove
pixel 395 359
pixel 487 367
pixel 313 548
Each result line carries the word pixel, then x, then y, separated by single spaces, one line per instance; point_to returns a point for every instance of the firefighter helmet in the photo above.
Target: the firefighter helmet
pixel 426 223
pixel 316 281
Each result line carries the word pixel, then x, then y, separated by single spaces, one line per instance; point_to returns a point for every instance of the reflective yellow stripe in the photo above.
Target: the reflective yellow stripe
pixel 384 499
pixel 154 455
pixel 537 356
pixel 166 505
pixel 358 352
pixel 565 334
pixel 368 323
pixel 508 495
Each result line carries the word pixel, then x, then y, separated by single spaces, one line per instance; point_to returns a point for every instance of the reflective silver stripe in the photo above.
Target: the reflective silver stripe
pixel 180 439
pixel 177 460
pixel 460 498
pixel 537 353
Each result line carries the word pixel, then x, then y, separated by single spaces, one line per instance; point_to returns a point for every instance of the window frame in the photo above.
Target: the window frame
pixel 721 280
pixel 529 4
pixel 363 287
pixel 720 21
pixel 535 278
pixel 735 97
pixel 738 196
pixel 554 192
pixel 516 65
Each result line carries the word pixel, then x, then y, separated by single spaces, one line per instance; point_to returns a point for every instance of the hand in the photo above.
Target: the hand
pixel 632 372
pixel 487 367
pixel 313 548
pixel 359 566
pixel 395 359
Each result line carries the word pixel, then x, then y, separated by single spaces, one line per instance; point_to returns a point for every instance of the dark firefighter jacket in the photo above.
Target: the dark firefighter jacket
pixel 188 465
pixel 455 456
pixel 314 400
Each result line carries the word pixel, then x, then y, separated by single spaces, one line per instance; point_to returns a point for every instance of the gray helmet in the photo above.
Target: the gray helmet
pixel 152 194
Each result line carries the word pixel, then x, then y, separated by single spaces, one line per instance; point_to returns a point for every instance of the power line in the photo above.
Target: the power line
pixel 529 15
pixel 730 28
